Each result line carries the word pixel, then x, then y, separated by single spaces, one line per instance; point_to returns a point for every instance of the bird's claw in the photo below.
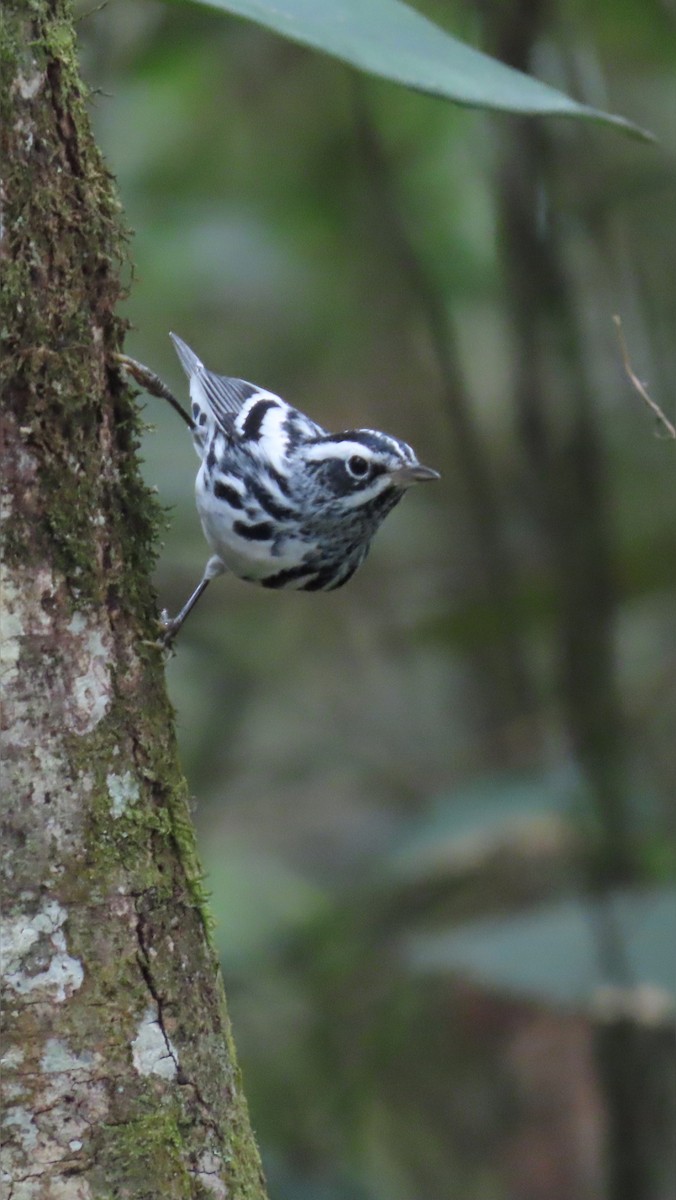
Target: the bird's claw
pixel 153 642
pixel 169 630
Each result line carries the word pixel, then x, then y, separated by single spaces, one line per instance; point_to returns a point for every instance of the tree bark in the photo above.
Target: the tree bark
pixel 635 1037
pixel 118 1067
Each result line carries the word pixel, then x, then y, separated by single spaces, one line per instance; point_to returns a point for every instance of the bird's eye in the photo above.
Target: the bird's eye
pixel 357 466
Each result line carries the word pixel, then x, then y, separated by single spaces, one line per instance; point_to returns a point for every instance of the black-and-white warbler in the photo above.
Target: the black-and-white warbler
pixel 282 503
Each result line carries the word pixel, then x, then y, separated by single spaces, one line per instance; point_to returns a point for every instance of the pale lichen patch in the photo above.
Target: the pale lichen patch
pixel 51 1116
pixel 29 1139
pixel 25 1132
pixel 28 86
pixel 124 792
pixel 210 1174
pixel 37 766
pixel 57 1056
pixel 72 1188
pixel 91 688
pixel 42 776
pixel 34 955
pixel 21 1122
pixel 12 1059
pixel 152 1051
pixel 82 684
pixel 10 638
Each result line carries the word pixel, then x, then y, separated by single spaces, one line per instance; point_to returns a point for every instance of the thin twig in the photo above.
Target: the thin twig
pixel 152 383
pixel 472 459
pixel 91 12
pixel 638 386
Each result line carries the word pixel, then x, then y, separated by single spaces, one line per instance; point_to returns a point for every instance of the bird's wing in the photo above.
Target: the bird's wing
pixel 223 396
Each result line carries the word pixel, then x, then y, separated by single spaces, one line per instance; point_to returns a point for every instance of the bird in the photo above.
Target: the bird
pixel 282 503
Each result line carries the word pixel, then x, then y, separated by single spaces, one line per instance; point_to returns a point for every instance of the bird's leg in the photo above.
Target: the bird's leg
pixel 152 384
pixel 171 625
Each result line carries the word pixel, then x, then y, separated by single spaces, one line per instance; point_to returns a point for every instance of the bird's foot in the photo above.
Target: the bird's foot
pixel 169 628
pixel 152 384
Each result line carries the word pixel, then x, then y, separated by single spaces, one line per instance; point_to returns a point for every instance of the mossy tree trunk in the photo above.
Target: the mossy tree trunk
pixel 118 1070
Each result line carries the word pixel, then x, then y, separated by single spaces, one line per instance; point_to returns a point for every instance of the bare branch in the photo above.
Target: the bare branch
pixel 638 386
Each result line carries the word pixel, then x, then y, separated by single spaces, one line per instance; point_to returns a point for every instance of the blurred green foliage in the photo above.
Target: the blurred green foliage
pixel 393 41
pixel 481 724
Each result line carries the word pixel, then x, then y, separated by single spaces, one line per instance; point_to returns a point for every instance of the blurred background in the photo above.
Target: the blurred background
pixel 436 808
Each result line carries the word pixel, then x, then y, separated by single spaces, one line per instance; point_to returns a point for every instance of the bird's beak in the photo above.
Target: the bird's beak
pixel 405 476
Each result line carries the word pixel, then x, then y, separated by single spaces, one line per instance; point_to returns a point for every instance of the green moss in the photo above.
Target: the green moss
pixel 183 836
pixel 66 249
pixel 83 511
pixel 153 826
pixel 59 42
pixel 149 1151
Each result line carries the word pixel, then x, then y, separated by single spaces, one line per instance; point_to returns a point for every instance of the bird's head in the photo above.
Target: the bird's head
pixel 362 471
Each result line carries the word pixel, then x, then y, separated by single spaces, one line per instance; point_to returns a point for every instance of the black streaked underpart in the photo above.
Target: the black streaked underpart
pixel 276 477
pixel 322 580
pixel 224 491
pixel 262 531
pixel 283 578
pixel 281 512
pixel 281 491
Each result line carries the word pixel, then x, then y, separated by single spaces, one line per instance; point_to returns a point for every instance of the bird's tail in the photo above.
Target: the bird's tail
pixel 191 364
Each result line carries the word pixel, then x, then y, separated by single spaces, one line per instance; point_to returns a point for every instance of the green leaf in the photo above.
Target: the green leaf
pixel 555 953
pixel 476 820
pixel 389 39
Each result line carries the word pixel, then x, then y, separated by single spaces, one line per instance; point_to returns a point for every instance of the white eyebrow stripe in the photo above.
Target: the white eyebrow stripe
pixel 344 450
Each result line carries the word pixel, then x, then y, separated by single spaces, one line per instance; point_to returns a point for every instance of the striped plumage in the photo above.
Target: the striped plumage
pixel 283 503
